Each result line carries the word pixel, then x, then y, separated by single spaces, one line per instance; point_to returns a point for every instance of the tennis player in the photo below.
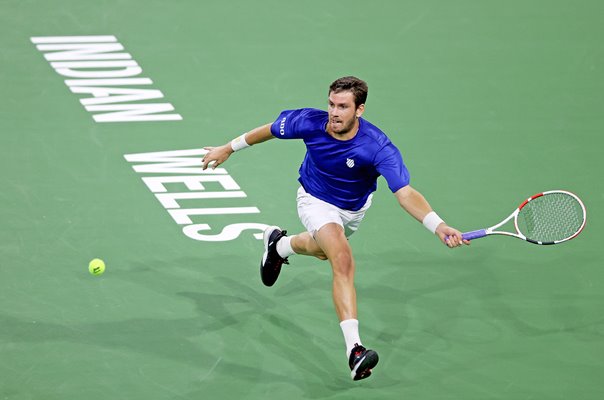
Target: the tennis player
pixel 345 155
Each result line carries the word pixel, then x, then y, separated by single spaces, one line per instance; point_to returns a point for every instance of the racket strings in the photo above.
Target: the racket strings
pixel 551 218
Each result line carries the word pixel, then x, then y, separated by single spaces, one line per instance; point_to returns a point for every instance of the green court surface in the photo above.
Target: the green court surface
pixel 489 102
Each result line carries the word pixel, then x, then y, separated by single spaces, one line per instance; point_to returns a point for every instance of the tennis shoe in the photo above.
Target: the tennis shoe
pixel 361 362
pixel 271 263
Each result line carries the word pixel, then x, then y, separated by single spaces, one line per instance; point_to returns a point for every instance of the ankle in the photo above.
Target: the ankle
pixel 284 246
pixel 350 329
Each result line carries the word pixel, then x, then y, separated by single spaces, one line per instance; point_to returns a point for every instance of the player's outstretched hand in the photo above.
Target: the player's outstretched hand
pixel 216 156
pixel 450 236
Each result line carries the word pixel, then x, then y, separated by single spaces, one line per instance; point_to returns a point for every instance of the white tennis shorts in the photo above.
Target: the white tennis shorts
pixel 315 213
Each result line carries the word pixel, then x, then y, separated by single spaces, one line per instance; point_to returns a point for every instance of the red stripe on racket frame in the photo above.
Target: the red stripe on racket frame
pixel 529 199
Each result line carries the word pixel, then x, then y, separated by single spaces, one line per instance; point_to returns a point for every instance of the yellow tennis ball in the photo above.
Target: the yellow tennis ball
pixel 96 266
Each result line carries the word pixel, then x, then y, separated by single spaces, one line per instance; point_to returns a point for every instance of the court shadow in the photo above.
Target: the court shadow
pixel 466 304
pixel 274 334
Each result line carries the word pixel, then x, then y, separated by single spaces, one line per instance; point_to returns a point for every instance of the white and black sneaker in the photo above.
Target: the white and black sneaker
pixel 361 362
pixel 271 263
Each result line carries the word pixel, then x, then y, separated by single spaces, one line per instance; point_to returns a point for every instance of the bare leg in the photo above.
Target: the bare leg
pixel 304 243
pixel 331 243
pixel 332 240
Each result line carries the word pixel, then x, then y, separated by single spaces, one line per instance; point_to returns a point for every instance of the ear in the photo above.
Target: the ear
pixel 360 110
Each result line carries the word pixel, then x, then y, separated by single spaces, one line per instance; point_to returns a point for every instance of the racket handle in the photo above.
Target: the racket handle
pixel 472 235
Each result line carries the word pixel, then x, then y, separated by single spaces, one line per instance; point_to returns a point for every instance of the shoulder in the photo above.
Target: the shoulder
pixel 380 144
pixel 306 116
pixel 312 114
pixel 374 134
pixel 306 119
pixel 298 122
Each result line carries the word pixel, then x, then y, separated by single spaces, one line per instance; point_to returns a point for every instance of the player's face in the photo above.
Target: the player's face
pixel 342 112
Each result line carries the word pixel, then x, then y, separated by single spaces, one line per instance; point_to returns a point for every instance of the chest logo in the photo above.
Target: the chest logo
pixel 350 162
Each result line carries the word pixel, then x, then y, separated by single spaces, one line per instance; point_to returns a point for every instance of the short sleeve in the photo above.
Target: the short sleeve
pixel 292 124
pixel 389 163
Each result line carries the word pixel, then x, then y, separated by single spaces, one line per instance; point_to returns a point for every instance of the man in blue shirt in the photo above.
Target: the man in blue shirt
pixel 345 156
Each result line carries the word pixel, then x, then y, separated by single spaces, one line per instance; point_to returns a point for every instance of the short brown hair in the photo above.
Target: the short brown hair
pixel 357 86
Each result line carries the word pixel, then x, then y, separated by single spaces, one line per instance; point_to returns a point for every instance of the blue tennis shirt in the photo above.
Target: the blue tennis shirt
pixel 342 172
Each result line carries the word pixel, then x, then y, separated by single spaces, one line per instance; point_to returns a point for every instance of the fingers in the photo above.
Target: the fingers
pixel 204 162
pixel 207 158
pixel 455 240
pixel 214 157
pixel 208 162
pixel 451 241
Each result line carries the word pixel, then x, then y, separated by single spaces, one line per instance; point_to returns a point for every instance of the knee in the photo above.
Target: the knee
pixel 343 263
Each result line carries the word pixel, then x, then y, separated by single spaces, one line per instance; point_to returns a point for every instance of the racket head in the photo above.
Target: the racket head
pixel 550 217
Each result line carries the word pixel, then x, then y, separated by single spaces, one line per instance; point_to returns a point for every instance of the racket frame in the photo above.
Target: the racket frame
pixel 493 229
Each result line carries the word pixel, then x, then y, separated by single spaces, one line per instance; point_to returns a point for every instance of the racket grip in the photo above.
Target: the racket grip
pixel 472 235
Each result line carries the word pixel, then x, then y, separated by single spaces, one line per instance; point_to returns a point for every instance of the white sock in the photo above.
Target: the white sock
pixel 284 246
pixel 350 329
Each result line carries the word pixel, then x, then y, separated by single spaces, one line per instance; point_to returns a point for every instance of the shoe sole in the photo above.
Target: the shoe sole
pixel 267 234
pixel 363 368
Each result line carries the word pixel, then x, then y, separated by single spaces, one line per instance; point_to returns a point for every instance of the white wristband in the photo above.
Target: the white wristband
pixel 431 221
pixel 239 143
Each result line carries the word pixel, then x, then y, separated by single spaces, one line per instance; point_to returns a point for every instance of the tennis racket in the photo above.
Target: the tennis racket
pixel 546 218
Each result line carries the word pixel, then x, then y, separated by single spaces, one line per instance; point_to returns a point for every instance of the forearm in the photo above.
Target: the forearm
pixel 259 135
pixel 255 136
pixel 413 202
pixel 218 155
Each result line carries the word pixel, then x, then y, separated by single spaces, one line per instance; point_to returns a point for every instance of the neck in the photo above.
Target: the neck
pixel 347 135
